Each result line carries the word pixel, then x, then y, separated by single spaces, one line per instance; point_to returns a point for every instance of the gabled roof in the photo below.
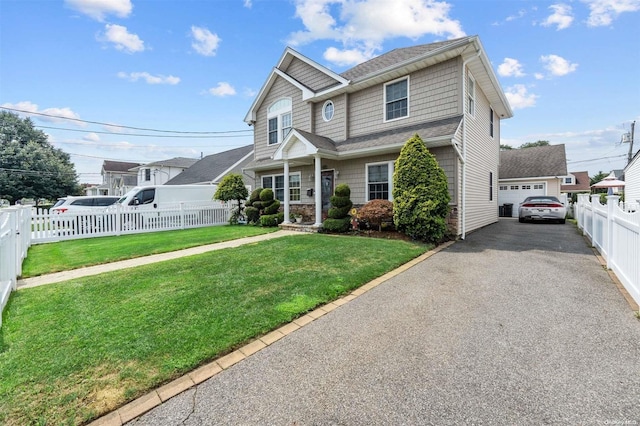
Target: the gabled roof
pixel 536 162
pixel 391 65
pixel 212 168
pixel 582 183
pixel 179 162
pixel 118 166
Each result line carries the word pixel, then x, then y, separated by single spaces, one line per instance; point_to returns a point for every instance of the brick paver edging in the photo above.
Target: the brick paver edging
pixel 156 397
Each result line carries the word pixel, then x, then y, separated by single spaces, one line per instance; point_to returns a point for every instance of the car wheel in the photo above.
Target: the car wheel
pixel 521 219
pixel 562 221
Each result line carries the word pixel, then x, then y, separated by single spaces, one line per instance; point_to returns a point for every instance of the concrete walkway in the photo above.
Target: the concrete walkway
pixel 519 324
pixel 116 266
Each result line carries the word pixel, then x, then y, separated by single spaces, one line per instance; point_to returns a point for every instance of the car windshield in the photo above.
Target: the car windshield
pixel 541 200
pixel 59 202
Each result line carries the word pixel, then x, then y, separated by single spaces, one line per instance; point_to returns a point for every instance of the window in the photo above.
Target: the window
pixel 327 111
pixel 396 99
pixel 276 183
pixel 491 122
pixel 147 174
pixel 526 186
pixel 503 187
pixel 568 180
pixel 279 121
pixel 471 95
pixel 490 186
pixel 379 178
pixel 514 187
pixel 538 186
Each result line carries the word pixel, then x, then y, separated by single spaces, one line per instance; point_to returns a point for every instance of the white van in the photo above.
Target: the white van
pixel 162 196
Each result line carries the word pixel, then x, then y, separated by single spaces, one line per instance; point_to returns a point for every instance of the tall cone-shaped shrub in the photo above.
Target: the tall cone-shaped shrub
pixel 420 194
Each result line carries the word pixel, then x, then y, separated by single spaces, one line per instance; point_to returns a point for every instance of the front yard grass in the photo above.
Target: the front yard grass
pixel 65 255
pixel 72 351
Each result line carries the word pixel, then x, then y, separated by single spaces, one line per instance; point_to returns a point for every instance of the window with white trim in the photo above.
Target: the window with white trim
pixel 147 174
pixel 491 122
pixel 471 96
pixel 327 111
pixel 276 183
pixel 538 186
pixel 490 186
pixel 514 187
pixel 568 180
pixel 504 187
pixel 279 120
pixel 526 186
pixel 396 99
pixel 379 178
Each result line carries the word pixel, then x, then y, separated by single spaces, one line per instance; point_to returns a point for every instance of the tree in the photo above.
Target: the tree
pixel 597 178
pixel 505 147
pixel 420 193
pixel 232 188
pixel 30 167
pixel 534 144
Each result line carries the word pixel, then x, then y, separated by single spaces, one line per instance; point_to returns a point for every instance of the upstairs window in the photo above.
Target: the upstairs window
pixel 491 122
pixel 147 174
pixel 471 96
pixel 279 121
pixel 396 99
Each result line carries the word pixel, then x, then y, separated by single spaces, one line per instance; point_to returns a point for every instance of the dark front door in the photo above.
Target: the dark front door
pixel 326 183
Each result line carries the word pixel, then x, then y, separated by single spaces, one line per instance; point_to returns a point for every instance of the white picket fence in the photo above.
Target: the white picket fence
pixel 14 243
pixel 614 230
pixel 20 227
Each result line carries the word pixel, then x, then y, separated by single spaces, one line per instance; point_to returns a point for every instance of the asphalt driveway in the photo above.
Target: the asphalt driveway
pixel 518 324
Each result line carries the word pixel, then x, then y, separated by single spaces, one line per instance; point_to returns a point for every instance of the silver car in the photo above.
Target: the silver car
pixel 542 207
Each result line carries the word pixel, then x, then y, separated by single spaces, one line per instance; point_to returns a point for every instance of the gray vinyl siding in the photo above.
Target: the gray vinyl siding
pixel 433 94
pixel 482 157
pixel 334 129
pixel 632 179
pixel 301 117
pixel 309 76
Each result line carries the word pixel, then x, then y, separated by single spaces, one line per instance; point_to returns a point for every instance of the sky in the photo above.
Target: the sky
pixel 144 81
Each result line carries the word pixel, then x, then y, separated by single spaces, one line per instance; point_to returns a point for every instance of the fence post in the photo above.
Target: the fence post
pixel 612 202
pixel 182 215
pixel 118 219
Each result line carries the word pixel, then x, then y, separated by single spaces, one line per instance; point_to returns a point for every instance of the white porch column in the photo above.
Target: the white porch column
pixel 318 189
pixel 286 192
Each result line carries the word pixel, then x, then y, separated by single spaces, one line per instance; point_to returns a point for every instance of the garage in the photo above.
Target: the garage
pixel 515 193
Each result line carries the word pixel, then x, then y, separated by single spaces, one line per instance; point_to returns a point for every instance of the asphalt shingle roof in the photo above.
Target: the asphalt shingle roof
pixel 211 166
pixel 181 162
pixel 538 161
pixel 118 166
pixel 582 183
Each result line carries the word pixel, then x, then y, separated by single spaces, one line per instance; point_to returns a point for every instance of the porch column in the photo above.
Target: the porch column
pixel 286 192
pixel 318 189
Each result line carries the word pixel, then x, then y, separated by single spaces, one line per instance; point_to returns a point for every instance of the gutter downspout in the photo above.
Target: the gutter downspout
pixel 464 143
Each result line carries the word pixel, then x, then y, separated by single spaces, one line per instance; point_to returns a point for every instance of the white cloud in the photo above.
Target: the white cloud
pixel 150 79
pixel 346 56
pixel 98 9
pixel 561 17
pixel 91 137
pixel 222 89
pixel 250 93
pixel 248 4
pixel 122 38
pixel 538 76
pixel 510 68
pixel 603 12
pixel 52 115
pixel 363 25
pixel 519 97
pixel 519 15
pixel 204 41
pixel 558 66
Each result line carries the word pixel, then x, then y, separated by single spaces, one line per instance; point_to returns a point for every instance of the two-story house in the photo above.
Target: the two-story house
pixel 160 172
pixel 117 178
pixel 314 128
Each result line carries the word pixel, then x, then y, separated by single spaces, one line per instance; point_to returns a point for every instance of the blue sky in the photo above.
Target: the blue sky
pixel 569 69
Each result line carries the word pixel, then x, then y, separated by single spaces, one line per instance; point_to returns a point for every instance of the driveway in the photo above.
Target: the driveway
pixel 517 324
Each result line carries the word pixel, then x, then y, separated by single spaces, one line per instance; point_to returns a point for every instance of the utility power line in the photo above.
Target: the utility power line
pixel 211 136
pixel 118 125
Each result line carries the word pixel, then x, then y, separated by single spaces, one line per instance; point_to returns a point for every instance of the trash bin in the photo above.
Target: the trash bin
pixel 508 209
pixel 500 211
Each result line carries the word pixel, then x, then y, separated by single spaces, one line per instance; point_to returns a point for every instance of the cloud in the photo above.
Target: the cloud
pixel 519 97
pixel 53 115
pixel 222 89
pixel 561 17
pixel 603 12
pixel 204 41
pixel 91 137
pixel 99 9
pixel 519 15
pixel 150 79
pixel 248 4
pixel 362 26
pixel 510 68
pixel 122 38
pixel 557 65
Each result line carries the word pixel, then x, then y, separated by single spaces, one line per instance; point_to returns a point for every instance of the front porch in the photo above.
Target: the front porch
pixel 300 227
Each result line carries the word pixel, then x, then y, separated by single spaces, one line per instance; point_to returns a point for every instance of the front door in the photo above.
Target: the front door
pixel 326 184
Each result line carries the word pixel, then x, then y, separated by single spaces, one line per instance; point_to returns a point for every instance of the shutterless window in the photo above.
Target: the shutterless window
pixel 514 187
pixel 279 121
pixel 276 183
pixel 327 111
pixel 490 186
pixel 491 122
pixel 396 99
pixel 471 94
pixel 378 181
pixel 147 174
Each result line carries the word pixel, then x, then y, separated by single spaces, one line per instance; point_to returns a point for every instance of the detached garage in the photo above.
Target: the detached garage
pixel 527 172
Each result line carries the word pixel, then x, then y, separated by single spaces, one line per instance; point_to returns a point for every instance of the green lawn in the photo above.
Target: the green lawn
pixel 72 351
pixel 66 255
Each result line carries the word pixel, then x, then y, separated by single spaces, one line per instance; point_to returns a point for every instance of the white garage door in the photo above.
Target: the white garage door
pixel 516 193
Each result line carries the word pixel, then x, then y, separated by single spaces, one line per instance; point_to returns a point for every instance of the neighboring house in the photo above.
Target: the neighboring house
pixel 533 171
pixel 160 172
pixel 314 128
pixel 576 183
pixel 116 179
pixel 212 168
pixel 632 180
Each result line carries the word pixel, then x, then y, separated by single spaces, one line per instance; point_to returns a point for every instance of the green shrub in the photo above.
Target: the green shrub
pixel 266 194
pixel 420 193
pixel 339 212
pixel 253 214
pixel 376 212
pixel 270 220
pixel 339 219
pixel 343 190
pixel 337 225
pixel 269 204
